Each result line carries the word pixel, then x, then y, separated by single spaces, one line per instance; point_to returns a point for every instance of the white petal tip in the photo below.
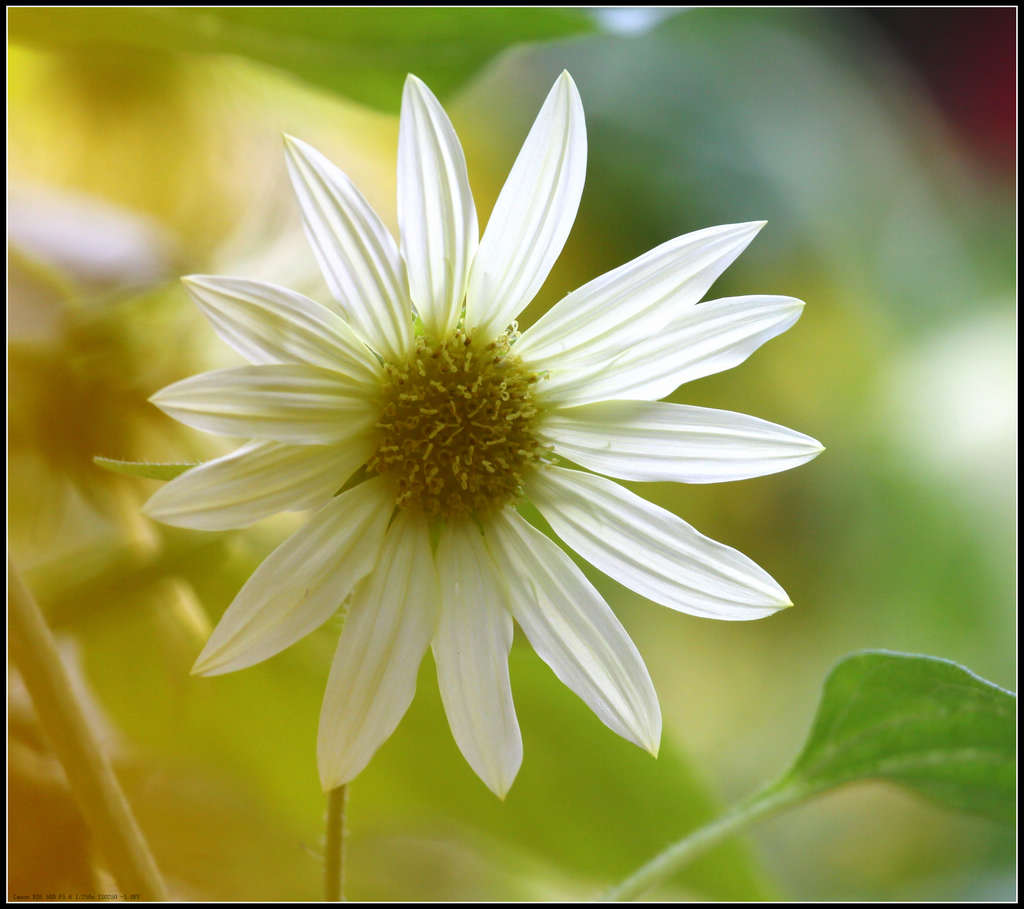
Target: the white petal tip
pixel 568 84
pixel 648 739
pixel 208 670
pixel 501 787
pixel 195 283
pixel 741 231
pixel 332 781
pixel 293 146
pixel 416 91
pixel 501 791
pixel 793 306
pixel 209 664
pixel 200 668
pixel 185 521
pixel 159 399
pixel 775 599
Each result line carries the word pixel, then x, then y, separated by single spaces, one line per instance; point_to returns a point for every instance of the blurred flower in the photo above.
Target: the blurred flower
pixel 99 244
pixel 433 427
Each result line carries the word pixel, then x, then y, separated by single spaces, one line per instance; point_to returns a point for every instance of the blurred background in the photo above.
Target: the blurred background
pixel 880 147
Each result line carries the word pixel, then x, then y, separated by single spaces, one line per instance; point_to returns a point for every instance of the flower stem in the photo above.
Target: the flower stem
pixel 333 881
pixel 88 770
pixel 666 863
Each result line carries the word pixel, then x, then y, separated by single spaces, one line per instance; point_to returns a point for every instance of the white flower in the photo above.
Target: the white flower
pixel 448 420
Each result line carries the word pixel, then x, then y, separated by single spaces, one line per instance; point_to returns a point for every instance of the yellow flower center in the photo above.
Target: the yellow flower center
pixel 457 426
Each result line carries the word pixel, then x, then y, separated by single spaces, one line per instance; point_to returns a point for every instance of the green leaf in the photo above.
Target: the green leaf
pixel 923 722
pixel 586 807
pixel 364 54
pixel 585 802
pixel 147 469
pixel 926 723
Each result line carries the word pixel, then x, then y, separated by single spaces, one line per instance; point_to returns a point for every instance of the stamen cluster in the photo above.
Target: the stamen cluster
pixel 457 425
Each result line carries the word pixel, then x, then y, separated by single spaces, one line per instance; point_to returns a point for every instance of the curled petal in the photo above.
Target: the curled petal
pixel 387 631
pixel 270 324
pixel 436 214
pixel 658 441
pixel 652 551
pixel 306 405
pixel 357 254
pixel 574 631
pixel 255 481
pixel 302 583
pixel 533 215
pixel 634 301
pixel 708 338
pixel 471 652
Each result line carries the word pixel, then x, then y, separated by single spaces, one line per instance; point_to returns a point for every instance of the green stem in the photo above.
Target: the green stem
pixel 88 770
pixel 333 881
pixel 666 863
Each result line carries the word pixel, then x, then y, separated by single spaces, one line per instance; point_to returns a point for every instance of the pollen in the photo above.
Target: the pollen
pixel 457 426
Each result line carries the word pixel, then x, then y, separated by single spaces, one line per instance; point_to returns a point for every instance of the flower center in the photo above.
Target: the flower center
pixel 457 426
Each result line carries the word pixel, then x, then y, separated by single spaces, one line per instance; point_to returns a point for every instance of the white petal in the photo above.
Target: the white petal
pixel 650 550
pixel 644 440
pixel 387 631
pixel 270 324
pixel 533 215
pixel 257 480
pixel 708 338
pixel 357 254
pixel 436 215
pixel 302 583
pixel 471 652
pixel 574 631
pixel 307 405
pixel 636 300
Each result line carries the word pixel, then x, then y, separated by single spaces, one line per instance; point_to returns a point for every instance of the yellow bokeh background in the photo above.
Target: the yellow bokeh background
pixel 131 166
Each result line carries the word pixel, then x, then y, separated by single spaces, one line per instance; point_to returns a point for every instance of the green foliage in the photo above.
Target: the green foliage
pixel 363 54
pixel 585 808
pixel 146 469
pixel 715 116
pixel 920 721
pixel 609 796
